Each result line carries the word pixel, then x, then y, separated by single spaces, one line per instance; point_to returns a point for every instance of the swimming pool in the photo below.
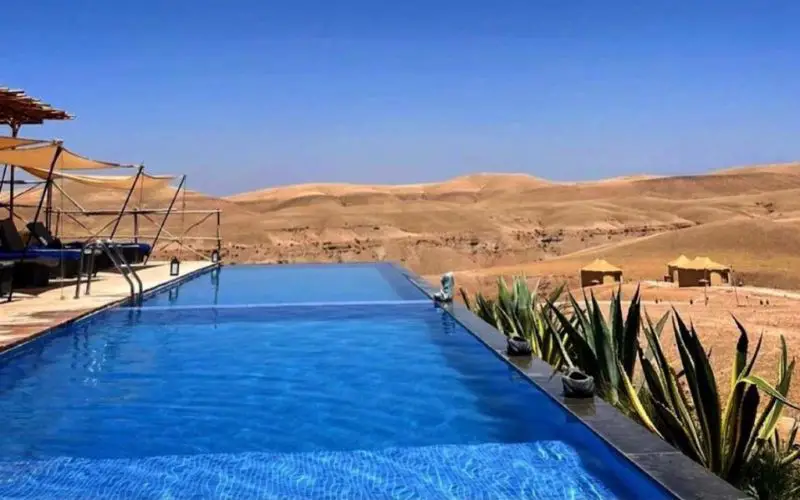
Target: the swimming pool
pixel 298 283
pixel 289 382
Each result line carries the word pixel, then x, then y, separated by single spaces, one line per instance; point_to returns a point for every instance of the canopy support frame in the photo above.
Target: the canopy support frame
pixel 127 199
pixel 166 215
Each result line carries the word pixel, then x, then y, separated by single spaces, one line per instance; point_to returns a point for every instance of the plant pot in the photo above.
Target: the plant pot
pixel 577 384
pixel 518 346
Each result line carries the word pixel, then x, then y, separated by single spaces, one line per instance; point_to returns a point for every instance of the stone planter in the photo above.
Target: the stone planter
pixel 577 384
pixel 518 346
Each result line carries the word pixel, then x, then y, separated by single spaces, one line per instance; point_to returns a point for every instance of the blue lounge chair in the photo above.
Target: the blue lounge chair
pixel 134 253
pixel 12 248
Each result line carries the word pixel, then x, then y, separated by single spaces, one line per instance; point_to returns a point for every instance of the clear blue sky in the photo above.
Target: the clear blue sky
pixel 247 94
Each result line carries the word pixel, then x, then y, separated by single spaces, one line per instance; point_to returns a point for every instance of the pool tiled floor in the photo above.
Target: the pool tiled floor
pixel 485 471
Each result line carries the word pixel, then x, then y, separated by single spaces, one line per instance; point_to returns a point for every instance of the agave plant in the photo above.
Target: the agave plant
pixel 484 308
pixel 518 311
pixel 723 438
pixel 767 477
pixel 773 472
pixel 786 448
pixel 605 351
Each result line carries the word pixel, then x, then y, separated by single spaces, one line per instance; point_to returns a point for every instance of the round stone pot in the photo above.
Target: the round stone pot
pixel 577 384
pixel 518 346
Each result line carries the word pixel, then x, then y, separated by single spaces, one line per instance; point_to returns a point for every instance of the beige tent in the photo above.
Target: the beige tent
pixel 673 266
pixel 708 264
pixel 600 272
pixel 702 271
pixel 680 261
pixel 41 157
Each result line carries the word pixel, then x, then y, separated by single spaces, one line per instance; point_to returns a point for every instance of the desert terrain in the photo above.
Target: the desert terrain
pixel 487 226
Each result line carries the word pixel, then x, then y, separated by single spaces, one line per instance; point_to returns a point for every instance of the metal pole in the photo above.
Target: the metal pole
pixel 164 220
pixel 127 199
pixel 70 198
pixel 219 237
pixel 136 225
pixel 48 211
pixel 44 191
pixel 14 131
pixel 11 190
pixel 5 167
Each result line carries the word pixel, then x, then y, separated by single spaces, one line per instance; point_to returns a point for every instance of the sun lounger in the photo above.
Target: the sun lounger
pixel 45 239
pixel 134 253
pixel 12 248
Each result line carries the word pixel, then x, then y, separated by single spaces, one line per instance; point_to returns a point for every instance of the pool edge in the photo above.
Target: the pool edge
pixel 652 456
pixel 8 348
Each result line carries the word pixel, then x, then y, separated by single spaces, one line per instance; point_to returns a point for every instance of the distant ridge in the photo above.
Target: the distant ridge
pixel 467 184
pixel 745 216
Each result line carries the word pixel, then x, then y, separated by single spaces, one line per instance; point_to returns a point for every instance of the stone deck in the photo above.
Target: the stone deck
pixel 32 312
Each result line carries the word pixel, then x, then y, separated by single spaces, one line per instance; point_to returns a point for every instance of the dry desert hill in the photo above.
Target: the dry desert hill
pixel 486 225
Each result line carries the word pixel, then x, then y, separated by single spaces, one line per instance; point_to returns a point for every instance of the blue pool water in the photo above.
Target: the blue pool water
pixel 343 400
pixel 292 284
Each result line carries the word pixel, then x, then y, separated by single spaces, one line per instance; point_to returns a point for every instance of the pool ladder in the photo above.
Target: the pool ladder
pixel 116 257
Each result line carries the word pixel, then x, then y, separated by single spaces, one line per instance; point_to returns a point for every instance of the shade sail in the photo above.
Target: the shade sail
pixel 601 266
pixel 13 142
pixel 123 182
pixel 42 157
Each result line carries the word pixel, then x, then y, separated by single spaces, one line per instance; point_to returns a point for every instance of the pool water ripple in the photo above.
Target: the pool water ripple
pixel 543 470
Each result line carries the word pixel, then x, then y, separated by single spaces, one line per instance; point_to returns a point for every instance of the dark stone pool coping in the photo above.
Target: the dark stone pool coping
pixel 677 473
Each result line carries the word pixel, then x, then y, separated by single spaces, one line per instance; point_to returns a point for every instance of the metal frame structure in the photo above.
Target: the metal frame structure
pixel 17 109
pixel 137 213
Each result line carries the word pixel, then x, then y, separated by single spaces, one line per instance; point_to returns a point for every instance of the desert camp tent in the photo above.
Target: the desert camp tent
pixel 702 271
pixel 674 265
pixel 599 272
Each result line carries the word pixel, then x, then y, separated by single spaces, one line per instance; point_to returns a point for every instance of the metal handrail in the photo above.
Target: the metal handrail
pixel 115 248
pixel 92 250
pixel 111 249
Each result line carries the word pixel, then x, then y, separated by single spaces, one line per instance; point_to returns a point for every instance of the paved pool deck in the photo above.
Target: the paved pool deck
pixel 33 312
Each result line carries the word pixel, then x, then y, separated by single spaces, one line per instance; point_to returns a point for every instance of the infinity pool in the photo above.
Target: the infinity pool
pixel 299 283
pixel 315 393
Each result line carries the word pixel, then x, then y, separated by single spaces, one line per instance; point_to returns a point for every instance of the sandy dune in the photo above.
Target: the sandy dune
pixel 486 225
